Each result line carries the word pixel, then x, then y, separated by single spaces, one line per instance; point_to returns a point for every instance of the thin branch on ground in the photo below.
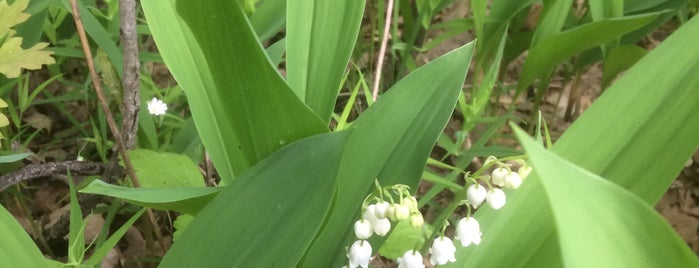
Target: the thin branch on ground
pixel 382 51
pixel 129 82
pixel 46 169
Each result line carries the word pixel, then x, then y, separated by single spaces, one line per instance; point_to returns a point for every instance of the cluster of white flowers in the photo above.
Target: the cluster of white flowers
pixel 377 216
pixel 376 219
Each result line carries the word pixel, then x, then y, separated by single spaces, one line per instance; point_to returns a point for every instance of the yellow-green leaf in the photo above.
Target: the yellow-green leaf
pixel 12 15
pixel 3 121
pixel 13 58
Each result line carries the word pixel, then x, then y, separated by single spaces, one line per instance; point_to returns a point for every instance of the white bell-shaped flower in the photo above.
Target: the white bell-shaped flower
pixel 416 220
pixel 496 198
pixel 524 171
pixel 475 194
pixel 363 229
pixel 402 212
pixel 497 177
pixel 442 251
pixel 468 231
pixel 370 213
pixel 380 209
pixel 411 203
pixel 359 254
pixel 382 226
pixel 513 180
pixel 411 259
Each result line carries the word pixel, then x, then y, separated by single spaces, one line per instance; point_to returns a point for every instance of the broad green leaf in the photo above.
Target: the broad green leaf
pixel 243 109
pixel 182 199
pixel 269 18
pixel 320 37
pixel 108 245
pixel 545 56
pixel 404 237
pixel 3 104
pixel 269 215
pixel 638 134
pixel 601 224
pixel 390 142
pixel 17 248
pixel 13 58
pixel 620 59
pixel 159 169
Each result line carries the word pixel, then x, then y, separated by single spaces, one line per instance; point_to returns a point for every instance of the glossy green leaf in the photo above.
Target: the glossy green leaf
pixel 242 107
pixel 601 224
pixel 17 248
pixel 269 18
pixel 638 134
pixel 543 58
pixel 269 215
pixel 157 169
pixel 182 199
pixel 320 37
pixel 390 142
pixel 620 59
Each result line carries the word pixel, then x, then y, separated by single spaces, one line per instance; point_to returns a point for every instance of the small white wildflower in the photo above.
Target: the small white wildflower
pixel 442 251
pixel 496 198
pixel 380 210
pixel 513 181
pixel 382 226
pixel 475 194
pixel 411 259
pixel 497 177
pixel 416 220
pixel 80 158
pixel 363 229
pixel 157 107
pixel 360 254
pixel 468 231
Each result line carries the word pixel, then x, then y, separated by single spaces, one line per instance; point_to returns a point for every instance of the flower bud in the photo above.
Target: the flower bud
pixel 524 171
pixel 416 220
pixel 513 181
pixel 402 212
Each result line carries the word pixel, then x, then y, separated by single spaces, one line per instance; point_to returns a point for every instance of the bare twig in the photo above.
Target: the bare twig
pixel 382 51
pixel 108 114
pixel 129 82
pixel 46 169
pixel 100 95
